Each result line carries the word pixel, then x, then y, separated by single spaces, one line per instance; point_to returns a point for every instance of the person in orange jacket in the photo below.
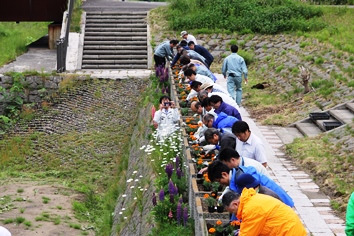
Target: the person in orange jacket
pixel 262 215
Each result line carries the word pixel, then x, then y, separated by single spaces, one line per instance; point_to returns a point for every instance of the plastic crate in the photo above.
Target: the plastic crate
pixel 328 125
pixel 319 116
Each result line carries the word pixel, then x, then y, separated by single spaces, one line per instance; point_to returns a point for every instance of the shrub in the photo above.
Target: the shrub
pixel 267 16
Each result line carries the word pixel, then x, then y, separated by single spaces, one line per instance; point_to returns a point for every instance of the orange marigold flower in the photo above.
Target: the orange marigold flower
pixel 200 161
pixel 191 133
pixel 188 120
pixel 196 148
pixel 235 223
pixel 212 230
pixel 202 156
pixel 213 155
pixel 206 195
pixel 213 194
pixel 218 222
pixel 193 138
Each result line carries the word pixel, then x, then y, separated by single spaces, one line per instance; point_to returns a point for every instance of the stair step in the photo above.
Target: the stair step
pixel 350 105
pixel 319 123
pixel 106 67
pixel 116 43
pixel 107 62
pixel 131 25
pixel 114 57
pixel 112 30
pixel 99 47
pixel 118 17
pixel 116 52
pixel 345 116
pixel 98 22
pixel 114 27
pixel 97 38
pixel 308 129
pixel 127 33
pixel 124 13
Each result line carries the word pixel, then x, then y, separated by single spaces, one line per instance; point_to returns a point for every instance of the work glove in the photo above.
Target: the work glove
pixel 208 148
pixel 227 189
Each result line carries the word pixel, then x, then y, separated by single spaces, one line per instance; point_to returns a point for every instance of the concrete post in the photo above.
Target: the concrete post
pixel 54 30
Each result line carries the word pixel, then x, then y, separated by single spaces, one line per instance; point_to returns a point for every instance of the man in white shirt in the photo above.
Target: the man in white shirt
pixel 188 37
pixel 227 99
pixel 232 159
pixel 193 76
pixel 166 118
pixel 248 144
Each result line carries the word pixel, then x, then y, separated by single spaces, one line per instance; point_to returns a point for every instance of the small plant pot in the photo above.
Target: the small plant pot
pixel 199 175
pixel 211 209
pixel 220 209
pixel 200 181
pixel 206 188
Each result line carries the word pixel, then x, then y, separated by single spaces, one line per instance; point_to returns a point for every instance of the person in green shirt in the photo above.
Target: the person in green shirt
pixel 349 225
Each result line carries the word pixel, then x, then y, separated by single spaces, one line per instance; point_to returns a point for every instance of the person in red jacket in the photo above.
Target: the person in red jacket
pixel 262 215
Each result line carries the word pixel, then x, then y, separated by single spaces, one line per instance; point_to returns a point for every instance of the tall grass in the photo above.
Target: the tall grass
pixel 267 16
pixel 340 28
pixel 14 38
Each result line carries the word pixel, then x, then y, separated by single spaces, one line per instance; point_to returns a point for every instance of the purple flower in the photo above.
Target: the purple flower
pixel 179 173
pixel 163 89
pixel 177 162
pixel 179 213
pixel 154 202
pixel 180 200
pixel 185 216
pixel 172 198
pixel 169 170
pixel 172 188
pixel 162 195
pixel 167 90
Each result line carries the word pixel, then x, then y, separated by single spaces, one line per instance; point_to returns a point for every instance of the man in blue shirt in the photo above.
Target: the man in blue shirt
pixel 202 51
pixel 220 121
pixel 233 67
pixel 219 172
pixel 164 50
pixel 220 106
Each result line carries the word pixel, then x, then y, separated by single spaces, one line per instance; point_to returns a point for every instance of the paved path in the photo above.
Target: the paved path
pixel 312 206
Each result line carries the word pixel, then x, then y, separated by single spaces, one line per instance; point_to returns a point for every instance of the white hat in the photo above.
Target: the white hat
pixel 206 85
pixel 183 33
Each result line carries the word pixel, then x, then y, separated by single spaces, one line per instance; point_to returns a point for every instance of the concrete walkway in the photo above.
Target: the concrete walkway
pixel 312 206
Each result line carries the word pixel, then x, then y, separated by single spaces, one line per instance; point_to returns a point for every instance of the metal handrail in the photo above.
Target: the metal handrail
pixel 62 42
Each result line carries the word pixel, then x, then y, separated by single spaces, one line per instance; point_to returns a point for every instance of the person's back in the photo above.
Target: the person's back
pixel 224 121
pixel 226 98
pixel 163 49
pixel 264 215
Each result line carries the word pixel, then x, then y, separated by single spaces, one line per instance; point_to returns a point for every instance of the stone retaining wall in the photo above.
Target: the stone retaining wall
pixel 35 88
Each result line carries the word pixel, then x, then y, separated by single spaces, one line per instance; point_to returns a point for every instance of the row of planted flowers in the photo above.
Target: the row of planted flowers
pixel 186 202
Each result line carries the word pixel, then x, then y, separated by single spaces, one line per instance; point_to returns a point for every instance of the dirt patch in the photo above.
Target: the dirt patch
pixel 46 209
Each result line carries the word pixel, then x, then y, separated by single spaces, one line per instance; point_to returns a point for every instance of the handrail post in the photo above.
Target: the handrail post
pixel 63 41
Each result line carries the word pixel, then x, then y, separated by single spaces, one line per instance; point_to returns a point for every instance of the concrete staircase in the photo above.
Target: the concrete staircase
pixel 320 122
pixel 115 40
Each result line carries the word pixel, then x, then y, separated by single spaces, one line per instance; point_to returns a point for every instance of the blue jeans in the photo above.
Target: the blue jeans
pixel 234 87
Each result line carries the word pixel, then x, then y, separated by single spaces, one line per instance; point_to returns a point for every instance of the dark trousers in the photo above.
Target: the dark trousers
pixel 159 61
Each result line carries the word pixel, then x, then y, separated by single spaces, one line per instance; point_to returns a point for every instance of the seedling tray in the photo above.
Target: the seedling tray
pixel 319 116
pixel 328 125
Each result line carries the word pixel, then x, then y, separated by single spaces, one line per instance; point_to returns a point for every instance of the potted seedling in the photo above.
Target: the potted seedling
pixel 210 201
